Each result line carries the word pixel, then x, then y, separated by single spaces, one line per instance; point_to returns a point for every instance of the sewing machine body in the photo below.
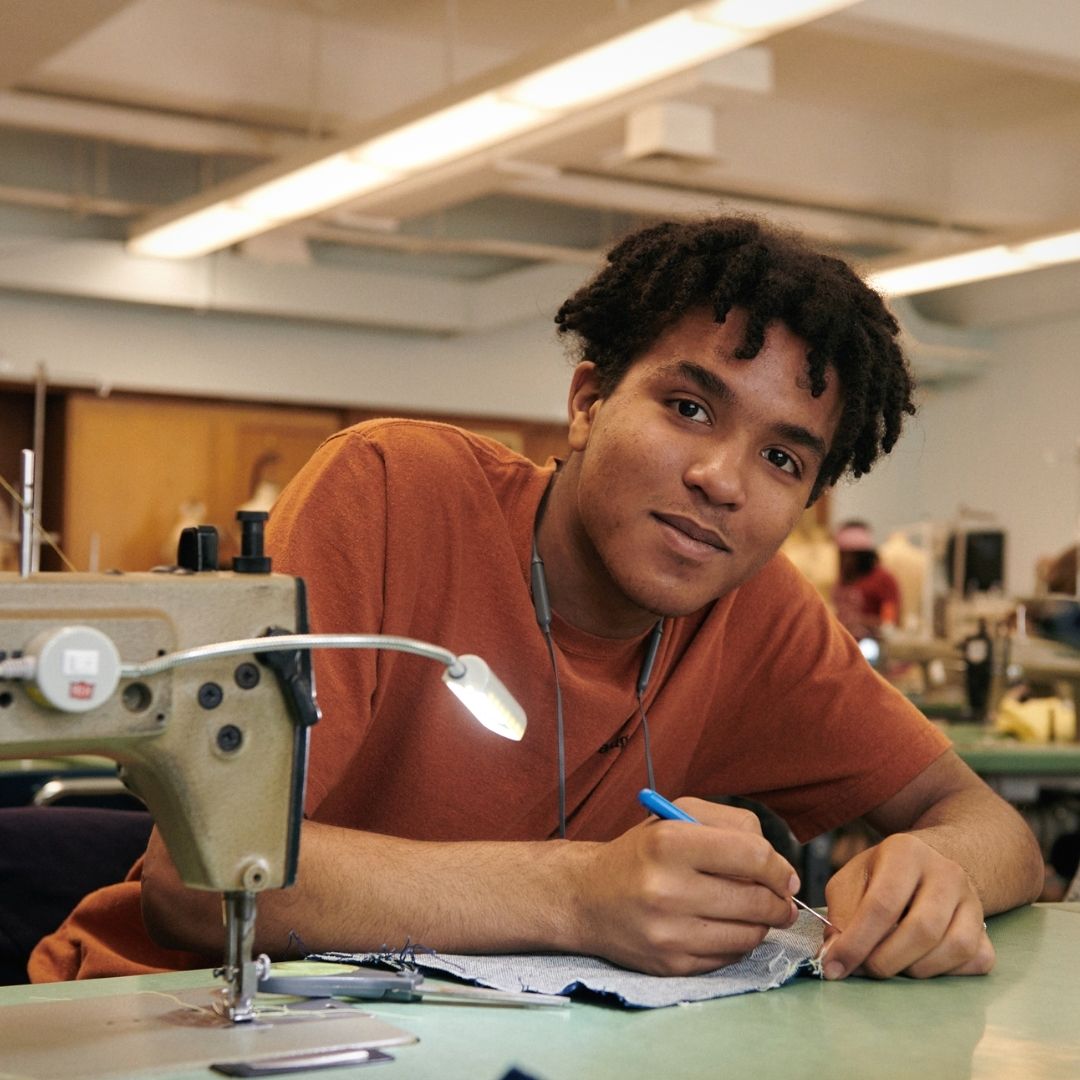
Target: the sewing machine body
pixel 216 748
pixel 211 748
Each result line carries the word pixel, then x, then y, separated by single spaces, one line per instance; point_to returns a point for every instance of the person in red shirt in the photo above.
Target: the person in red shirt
pixel 867 596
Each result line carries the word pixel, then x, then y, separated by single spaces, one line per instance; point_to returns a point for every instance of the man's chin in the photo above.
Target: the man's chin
pixel 678 599
pixel 673 605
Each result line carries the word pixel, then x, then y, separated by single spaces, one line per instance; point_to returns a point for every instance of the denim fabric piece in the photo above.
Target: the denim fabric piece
pixel 779 958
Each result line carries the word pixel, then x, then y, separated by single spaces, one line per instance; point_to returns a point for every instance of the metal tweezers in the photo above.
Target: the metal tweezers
pixel 398 986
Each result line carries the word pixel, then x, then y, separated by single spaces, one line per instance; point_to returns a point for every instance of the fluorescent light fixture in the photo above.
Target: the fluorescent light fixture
pixel 197 233
pixel 941 273
pixel 653 51
pixel 1049 250
pixel 454 132
pixel 996 260
pixel 767 14
pixel 315 187
pixel 667 45
pixel 305 191
pixel 485 696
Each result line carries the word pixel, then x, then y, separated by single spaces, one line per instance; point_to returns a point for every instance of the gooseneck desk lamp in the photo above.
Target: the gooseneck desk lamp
pixel 111 723
pixel 468 676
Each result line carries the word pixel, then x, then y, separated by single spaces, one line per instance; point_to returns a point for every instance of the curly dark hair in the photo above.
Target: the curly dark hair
pixel 655 276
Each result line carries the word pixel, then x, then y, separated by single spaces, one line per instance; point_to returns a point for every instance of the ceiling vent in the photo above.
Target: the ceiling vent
pixel 671 130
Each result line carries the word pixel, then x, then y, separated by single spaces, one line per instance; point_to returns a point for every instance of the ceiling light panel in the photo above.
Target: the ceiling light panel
pixel 450 133
pixel 652 52
pixel 995 260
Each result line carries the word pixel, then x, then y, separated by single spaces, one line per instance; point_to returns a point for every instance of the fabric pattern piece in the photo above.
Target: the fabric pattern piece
pixel 778 959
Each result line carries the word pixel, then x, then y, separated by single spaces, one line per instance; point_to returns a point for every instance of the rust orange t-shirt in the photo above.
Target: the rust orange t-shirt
pixel 423 530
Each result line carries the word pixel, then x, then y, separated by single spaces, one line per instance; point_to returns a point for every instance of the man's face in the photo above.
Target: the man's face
pixel 695 468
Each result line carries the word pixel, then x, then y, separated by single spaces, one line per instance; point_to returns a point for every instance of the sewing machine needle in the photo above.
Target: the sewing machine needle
pixel 816 914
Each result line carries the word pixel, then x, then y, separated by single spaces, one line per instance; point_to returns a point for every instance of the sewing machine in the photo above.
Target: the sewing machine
pixel 213 742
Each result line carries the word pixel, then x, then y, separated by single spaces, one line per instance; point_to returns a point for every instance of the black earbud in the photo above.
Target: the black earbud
pixel 541 603
pixel 542 607
pixel 650 658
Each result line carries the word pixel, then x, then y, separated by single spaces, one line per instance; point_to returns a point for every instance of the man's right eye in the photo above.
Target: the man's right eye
pixel 691 410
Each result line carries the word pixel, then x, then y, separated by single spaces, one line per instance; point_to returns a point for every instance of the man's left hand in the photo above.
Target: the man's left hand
pixel 904 908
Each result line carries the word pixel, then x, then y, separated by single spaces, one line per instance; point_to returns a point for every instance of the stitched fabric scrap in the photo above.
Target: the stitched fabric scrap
pixel 778 959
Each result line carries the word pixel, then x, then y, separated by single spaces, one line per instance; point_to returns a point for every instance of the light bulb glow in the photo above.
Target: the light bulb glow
pixel 198 233
pixel 448 133
pixel 313 188
pixel 1059 248
pixel 762 15
pixel 947 271
pixel 485 696
pixel 653 51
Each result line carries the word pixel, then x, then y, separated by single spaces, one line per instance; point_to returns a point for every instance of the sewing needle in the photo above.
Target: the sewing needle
pixel 661 807
pixel 816 914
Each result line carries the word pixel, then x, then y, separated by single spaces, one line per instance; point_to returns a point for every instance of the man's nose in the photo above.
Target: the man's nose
pixel 720 473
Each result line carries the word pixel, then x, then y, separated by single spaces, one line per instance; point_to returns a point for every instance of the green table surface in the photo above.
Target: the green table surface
pixel 1022 1021
pixel 991 754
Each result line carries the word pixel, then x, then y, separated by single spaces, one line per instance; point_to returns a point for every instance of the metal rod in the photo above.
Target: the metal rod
pixel 26 534
pixel 40 383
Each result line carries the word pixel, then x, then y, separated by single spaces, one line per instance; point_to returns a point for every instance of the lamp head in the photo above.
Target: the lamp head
pixel 485 696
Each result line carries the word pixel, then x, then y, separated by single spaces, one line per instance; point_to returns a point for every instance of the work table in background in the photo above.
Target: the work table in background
pixel 1018 1022
pixel 1017 770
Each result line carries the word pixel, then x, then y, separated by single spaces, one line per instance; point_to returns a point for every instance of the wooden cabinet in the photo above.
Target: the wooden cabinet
pixel 138 468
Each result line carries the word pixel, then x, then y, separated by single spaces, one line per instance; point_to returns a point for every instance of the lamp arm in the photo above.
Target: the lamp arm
pixel 289 642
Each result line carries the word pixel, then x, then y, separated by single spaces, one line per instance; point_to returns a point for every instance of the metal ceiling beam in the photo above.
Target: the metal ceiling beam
pixel 27 111
pixel 83 205
pixel 839 227
pixel 103 270
pixel 528 250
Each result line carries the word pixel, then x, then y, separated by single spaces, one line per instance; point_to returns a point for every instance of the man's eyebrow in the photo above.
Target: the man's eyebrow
pixel 801 436
pixel 708 380
pixel 712 384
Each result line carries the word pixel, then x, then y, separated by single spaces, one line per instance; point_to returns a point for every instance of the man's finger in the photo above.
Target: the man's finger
pixel 725 853
pixel 965 950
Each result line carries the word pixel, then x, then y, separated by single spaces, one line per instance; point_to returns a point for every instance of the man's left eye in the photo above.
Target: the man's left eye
pixel 782 460
pixel 691 410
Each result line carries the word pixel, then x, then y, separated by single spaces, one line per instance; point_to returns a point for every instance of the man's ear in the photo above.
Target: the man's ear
pixel 584 400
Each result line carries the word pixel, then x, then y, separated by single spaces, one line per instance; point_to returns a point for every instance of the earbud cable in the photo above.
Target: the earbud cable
pixel 542 607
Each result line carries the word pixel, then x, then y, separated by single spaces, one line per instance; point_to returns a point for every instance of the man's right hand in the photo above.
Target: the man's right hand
pixel 674 898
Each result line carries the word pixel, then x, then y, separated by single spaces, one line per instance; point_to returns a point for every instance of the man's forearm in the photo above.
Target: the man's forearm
pixel 990 840
pixel 953 811
pixel 359 891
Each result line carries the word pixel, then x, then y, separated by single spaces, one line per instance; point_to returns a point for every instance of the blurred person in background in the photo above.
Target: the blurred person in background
pixel 866 596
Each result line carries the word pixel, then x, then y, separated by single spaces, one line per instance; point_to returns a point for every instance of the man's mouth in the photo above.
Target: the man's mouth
pixel 695 531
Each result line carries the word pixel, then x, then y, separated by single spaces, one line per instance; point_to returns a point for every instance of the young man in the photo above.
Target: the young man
pixel 729 374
